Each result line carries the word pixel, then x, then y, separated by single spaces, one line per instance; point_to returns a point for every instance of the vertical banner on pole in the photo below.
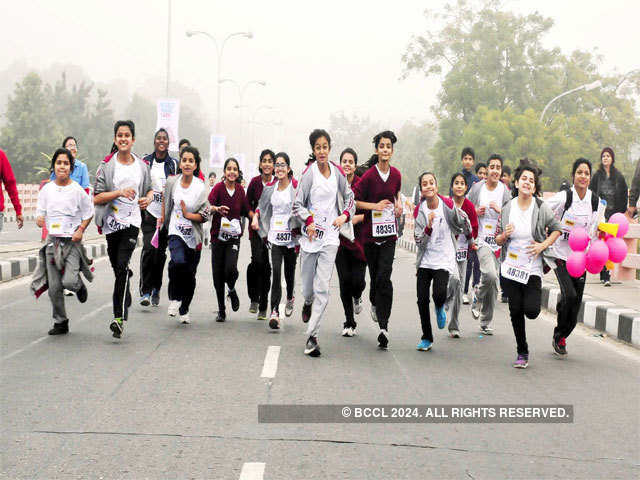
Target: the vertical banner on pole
pixel 168 117
pixel 216 151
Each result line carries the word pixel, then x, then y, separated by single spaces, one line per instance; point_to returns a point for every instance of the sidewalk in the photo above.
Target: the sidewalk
pixel 614 310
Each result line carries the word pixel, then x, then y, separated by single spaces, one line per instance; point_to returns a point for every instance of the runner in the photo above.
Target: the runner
pixel 122 190
pixel 437 223
pixel 377 192
pixel 228 205
pixel 488 196
pixel 464 244
pixel 323 203
pixel 67 210
pixel 351 263
pixel 576 208
pixel 152 259
pixel 473 265
pixel 275 224
pixel 185 209
pixel 80 172
pixel 9 180
pixel 522 232
pixel 259 270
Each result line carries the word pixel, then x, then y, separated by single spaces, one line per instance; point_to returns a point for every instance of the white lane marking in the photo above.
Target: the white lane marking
pixel 270 366
pixel 252 470
pixel 35 342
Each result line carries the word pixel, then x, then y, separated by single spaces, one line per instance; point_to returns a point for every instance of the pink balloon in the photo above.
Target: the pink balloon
pixel 576 263
pixel 617 249
pixel 622 221
pixel 597 256
pixel 578 239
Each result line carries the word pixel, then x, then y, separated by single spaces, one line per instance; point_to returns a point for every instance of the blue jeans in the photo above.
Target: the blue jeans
pixel 182 272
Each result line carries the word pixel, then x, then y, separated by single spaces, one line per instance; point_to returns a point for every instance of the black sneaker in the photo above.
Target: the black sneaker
pixel 306 313
pixel 221 317
pixel 116 327
pixel 383 340
pixel 155 298
pixel 60 328
pixel 560 345
pixel 82 294
pixel 235 301
pixel 312 348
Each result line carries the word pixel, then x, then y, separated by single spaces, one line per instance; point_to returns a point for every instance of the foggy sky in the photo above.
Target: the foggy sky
pixel 316 57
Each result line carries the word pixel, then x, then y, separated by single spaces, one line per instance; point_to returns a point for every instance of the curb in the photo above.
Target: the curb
pixel 27 218
pixel 616 321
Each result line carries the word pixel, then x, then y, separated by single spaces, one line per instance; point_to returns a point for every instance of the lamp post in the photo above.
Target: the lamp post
pixel 586 88
pixel 219 51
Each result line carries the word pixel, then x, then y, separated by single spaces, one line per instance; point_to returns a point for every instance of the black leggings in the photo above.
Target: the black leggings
pixel 569 300
pixel 259 272
pixel 351 272
pixel 289 255
pixel 524 300
pixel 440 279
pixel 380 263
pixel 224 265
pixel 120 247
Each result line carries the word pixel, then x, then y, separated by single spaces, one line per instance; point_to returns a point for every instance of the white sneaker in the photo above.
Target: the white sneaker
pixel 454 333
pixel 68 293
pixel 185 319
pixel 288 308
pixel 174 306
pixel 347 332
pixel 374 316
pixel 465 299
pixel 357 306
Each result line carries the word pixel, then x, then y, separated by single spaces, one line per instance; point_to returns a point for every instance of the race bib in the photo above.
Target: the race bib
pixel 320 222
pixel 279 232
pixel 383 223
pixel 60 226
pixel 571 221
pixel 229 229
pixel 122 211
pixel 517 265
pixel 184 226
pixel 489 234
pixel 155 207
pixel 461 248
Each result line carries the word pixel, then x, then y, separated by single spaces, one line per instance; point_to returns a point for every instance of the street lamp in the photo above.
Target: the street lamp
pixel 219 51
pixel 586 88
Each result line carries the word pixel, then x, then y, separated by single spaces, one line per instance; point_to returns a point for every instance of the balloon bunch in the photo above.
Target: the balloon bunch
pixel 606 250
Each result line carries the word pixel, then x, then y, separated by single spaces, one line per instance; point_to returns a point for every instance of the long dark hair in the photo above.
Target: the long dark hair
pixel 284 156
pixel 313 138
pixel 352 152
pixel 263 154
pixel 226 162
pixel 196 155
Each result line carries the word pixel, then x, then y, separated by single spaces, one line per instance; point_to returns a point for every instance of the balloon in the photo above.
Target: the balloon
pixel 597 256
pixel 578 239
pixel 576 263
pixel 623 223
pixel 609 228
pixel 617 249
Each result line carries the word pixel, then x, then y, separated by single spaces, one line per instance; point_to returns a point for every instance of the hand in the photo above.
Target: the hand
pixel 254 223
pixel 631 211
pixel 77 235
pixel 20 221
pixel 536 248
pixel 383 204
pixel 183 207
pixel 495 206
pixel 399 210
pixel 430 218
pixel 143 202
pixel 222 209
pixel 508 230
pixel 311 231
pixel 128 193
pixel 341 220
pixel 160 222
pixel 481 210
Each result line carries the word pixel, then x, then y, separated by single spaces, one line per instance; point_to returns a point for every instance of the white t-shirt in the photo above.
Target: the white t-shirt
pixel 489 221
pixel 441 252
pixel 324 210
pixel 579 214
pixel 279 233
pixel 64 208
pixel 383 176
pixel 123 212
pixel 158 181
pixel 521 238
pixel 178 225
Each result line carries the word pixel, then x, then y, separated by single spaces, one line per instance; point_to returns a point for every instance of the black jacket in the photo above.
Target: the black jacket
pixel 616 202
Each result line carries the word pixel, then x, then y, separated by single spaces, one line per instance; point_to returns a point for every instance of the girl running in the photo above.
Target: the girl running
pixel 323 203
pixel 522 234
pixel 275 224
pixel 259 270
pixel 351 263
pixel 152 259
pixel 464 244
pixel 578 207
pixel 377 193
pixel 122 191
pixel 228 205
pixel 185 209
pixel 437 223
pixel 66 210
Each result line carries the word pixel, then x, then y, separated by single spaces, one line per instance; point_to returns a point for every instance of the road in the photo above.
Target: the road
pixel 180 401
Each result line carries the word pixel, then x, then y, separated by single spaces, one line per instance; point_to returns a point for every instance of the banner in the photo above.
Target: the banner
pixel 169 118
pixel 217 151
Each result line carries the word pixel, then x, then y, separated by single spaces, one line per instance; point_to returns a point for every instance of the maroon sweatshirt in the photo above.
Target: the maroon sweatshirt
pixel 355 247
pixel 9 180
pixel 371 188
pixel 254 191
pixel 237 206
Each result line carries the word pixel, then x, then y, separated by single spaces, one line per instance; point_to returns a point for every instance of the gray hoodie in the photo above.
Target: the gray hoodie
pixel 202 206
pixel 266 209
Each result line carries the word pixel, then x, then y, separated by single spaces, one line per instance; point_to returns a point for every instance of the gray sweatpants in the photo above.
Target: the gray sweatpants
pixel 58 281
pixel 454 294
pixel 488 286
pixel 316 270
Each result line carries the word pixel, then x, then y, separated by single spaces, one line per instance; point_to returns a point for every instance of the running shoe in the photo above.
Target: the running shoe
pixel 486 330
pixel 184 319
pixel 522 361
pixel 235 301
pixel 383 339
pixel 274 321
pixel 288 309
pixel 441 316
pixel 454 333
pixel 262 315
pixel 82 294
pixel 68 293
pixel 357 306
pixel 312 348
pixel 465 299
pixel 607 283
pixel 347 332
pixel 253 308
pixel 155 298
pixel 60 328
pixel 475 306
pixel 145 300
pixel 560 346
pixel 424 345
pixel 221 317
pixel 306 312
pixel 116 327
pixel 374 315
pixel 174 306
